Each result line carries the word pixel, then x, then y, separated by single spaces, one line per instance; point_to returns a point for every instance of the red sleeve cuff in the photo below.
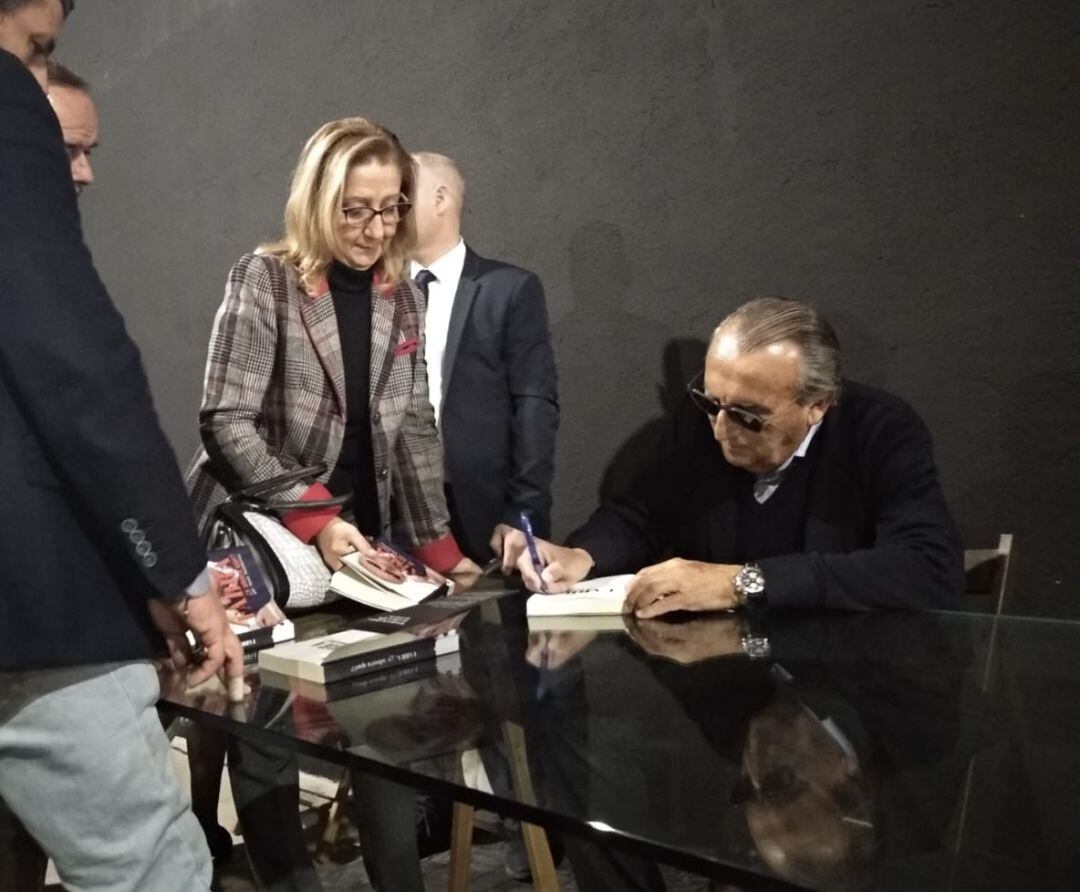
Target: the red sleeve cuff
pixel 442 555
pixel 305 523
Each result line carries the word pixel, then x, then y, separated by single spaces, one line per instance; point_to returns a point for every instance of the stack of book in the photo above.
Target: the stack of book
pixel 373 644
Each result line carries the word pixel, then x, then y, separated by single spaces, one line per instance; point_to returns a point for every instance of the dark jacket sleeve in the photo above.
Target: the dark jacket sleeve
pixel 915 560
pixel 529 361
pixel 66 358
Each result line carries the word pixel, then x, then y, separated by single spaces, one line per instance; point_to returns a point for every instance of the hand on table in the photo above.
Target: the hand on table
pixel 679 584
pixel 562 566
pixel 691 641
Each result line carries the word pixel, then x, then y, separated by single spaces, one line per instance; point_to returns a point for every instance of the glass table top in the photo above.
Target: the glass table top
pixel 824 751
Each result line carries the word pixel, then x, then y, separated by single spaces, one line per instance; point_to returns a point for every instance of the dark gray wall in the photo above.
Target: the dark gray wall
pixel 911 167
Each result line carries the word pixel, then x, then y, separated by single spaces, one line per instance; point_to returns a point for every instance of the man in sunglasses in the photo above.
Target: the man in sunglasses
pixel 778 483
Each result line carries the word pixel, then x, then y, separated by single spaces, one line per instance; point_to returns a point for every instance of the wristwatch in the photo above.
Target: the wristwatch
pixel 749 584
pixel 756 647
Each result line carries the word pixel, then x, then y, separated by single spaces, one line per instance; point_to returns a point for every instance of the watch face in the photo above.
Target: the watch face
pixel 750 580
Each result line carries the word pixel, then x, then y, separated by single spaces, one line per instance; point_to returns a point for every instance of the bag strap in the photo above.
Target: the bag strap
pixel 262 505
pixel 265 487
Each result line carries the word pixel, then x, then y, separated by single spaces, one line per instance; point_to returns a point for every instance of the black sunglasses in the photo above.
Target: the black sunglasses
pixel 712 407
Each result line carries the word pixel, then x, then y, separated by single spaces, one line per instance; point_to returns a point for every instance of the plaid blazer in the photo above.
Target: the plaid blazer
pixel 274 397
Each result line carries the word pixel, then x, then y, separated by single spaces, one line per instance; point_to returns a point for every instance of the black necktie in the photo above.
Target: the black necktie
pixel 424 278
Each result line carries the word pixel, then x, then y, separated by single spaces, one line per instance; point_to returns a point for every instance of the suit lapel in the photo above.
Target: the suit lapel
pixel 466 293
pixel 320 320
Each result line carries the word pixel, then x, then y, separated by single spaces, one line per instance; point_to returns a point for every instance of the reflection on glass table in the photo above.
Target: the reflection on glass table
pixel 862 750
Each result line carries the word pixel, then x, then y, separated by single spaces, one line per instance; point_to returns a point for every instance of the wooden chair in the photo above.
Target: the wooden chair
pixel 541 863
pixel 986 581
pixel 987 574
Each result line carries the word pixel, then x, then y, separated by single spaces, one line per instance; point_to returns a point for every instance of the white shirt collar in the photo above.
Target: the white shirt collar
pixel 800 452
pixel 448 267
pixel 766 484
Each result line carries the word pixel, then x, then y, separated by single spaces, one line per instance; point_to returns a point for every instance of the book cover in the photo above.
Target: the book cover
pixel 603 596
pixel 252 612
pixel 391 579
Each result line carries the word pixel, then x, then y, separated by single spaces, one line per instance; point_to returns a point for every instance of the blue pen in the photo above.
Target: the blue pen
pixel 530 540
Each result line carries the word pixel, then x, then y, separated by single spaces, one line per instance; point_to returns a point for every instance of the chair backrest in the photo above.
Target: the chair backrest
pixel 986 572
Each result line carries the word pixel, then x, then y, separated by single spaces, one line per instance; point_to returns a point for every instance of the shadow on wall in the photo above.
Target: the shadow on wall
pixel 1046 564
pixel 682 359
pixel 606 360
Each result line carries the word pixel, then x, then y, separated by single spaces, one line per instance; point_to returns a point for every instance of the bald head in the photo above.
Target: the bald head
pixel 437 205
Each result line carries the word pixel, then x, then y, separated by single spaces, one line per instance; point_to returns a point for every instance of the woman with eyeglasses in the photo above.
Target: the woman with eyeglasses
pixel 316 359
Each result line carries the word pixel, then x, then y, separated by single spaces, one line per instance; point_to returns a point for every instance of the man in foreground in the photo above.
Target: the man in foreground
pixel 779 484
pixel 101 565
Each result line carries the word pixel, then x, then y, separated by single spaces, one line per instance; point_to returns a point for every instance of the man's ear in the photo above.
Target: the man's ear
pixel 442 197
pixel 818 410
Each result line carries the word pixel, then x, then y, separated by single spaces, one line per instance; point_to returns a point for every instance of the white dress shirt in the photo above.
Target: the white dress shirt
pixel 441 291
pixel 766 484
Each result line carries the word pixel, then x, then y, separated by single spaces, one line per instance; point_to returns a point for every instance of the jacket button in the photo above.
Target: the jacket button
pixel 149 560
pixel 376 418
pixel 129 525
pixel 143 549
pixel 383 473
pixel 137 536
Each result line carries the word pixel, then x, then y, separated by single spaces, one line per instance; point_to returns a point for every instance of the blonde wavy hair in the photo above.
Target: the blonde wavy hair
pixel 311 239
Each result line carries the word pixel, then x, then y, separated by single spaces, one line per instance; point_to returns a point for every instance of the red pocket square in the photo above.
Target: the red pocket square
pixel 406 347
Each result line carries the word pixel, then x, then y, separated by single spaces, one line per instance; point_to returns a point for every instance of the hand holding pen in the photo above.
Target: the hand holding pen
pixel 544 566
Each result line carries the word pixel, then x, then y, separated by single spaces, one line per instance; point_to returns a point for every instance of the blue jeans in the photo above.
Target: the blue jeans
pixel 86 767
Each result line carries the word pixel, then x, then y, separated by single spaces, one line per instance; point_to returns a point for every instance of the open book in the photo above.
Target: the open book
pixel 603 596
pixel 374 643
pixel 391 580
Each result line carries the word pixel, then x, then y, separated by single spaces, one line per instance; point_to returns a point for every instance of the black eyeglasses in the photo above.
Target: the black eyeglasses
pixel 362 215
pixel 712 407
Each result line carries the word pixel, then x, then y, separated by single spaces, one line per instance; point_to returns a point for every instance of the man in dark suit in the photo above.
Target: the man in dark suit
pixel 779 483
pixel 101 565
pixel 491 371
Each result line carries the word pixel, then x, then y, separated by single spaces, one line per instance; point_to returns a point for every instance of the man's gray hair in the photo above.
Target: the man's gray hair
pixel 9 6
pixel 769 320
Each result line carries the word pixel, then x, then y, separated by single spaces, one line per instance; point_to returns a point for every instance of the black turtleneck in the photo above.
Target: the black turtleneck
pixel 355 469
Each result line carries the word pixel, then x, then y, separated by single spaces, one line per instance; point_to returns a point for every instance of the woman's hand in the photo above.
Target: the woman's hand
pixel 465 567
pixel 340 537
